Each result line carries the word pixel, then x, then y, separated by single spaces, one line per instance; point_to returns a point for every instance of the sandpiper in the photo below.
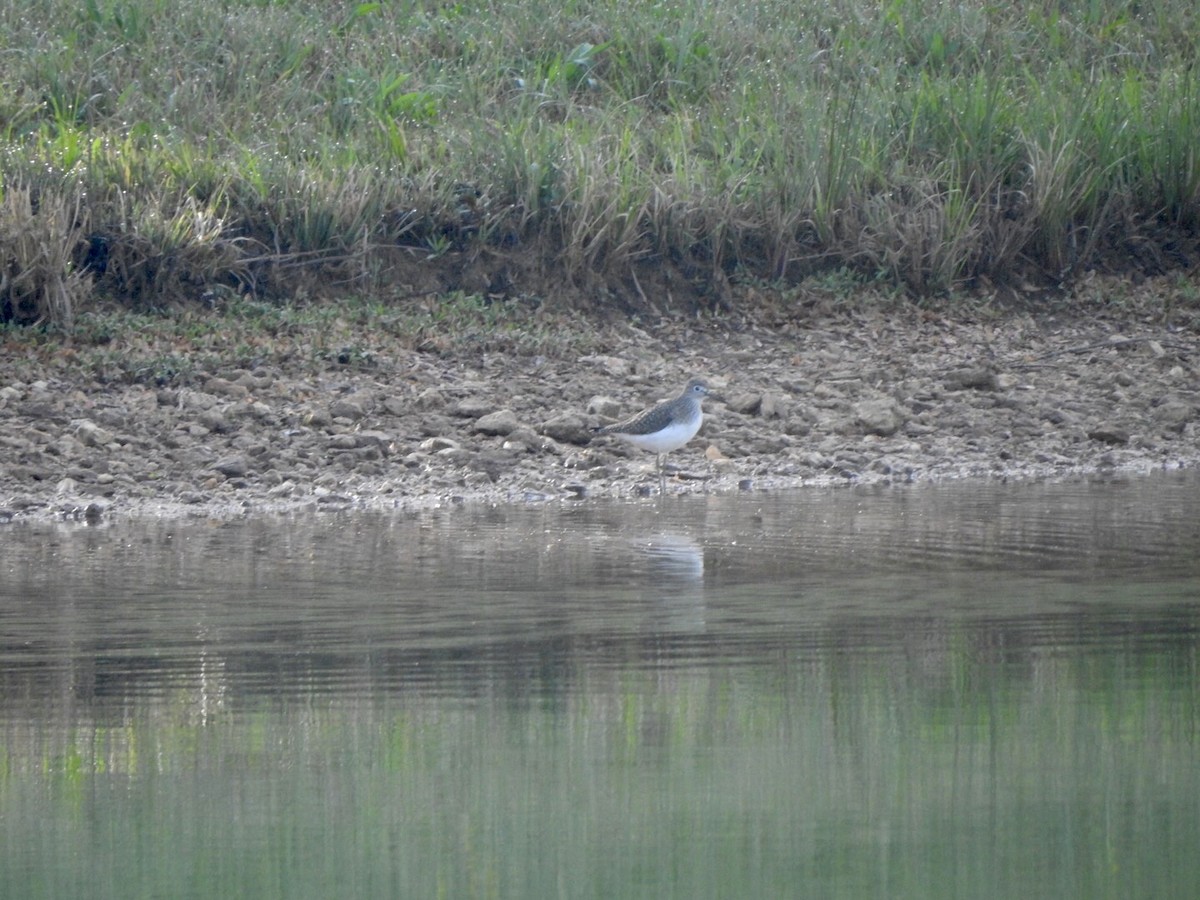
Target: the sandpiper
pixel 664 427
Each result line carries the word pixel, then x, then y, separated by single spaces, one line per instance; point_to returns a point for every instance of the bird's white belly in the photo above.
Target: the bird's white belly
pixel 670 438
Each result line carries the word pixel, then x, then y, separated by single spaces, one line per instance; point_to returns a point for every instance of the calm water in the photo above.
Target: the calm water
pixel 953 691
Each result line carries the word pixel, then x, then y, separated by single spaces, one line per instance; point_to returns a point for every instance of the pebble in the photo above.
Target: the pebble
pixel 234 466
pixel 500 422
pixel 881 417
pixel 92 435
pixel 568 428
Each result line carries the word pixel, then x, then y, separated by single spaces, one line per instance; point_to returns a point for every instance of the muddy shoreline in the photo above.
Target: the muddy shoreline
pixel 834 398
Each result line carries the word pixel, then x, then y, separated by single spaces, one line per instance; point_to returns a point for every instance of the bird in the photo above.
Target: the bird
pixel 664 427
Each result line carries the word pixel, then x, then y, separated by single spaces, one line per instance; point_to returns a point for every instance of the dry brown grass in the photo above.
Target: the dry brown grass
pixel 40 239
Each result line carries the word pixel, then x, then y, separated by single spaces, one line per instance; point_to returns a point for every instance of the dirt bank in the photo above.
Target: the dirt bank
pixel 826 397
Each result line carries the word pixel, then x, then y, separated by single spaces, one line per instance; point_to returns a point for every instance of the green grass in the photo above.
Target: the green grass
pixel 151 151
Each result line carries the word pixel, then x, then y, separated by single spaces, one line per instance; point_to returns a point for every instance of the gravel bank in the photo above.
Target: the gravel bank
pixel 827 399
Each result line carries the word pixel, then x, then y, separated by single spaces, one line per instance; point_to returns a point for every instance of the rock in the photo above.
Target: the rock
pixel 773 406
pixel 1056 415
pixel 433 425
pixel 234 466
pixel 472 408
pixel 214 420
pixel 454 455
pixel 527 436
pixel 195 401
pixel 350 408
pixel 225 388
pixel 1109 434
pixel 879 417
pixel 492 464
pixel 822 393
pixel 317 418
pixel 92 435
pixel 251 382
pixel 476 480
pixel 434 444
pixel 500 422
pixel 1174 414
pixel 111 418
pixel 526 440
pixel 603 405
pixel 256 410
pixel 66 446
pixel 431 398
pixel 380 439
pixel 745 403
pixel 568 428
pixel 39 409
pixel 613 365
pixel 979 379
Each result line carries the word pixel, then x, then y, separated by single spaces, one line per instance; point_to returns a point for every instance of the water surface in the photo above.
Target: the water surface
pixel 924 691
